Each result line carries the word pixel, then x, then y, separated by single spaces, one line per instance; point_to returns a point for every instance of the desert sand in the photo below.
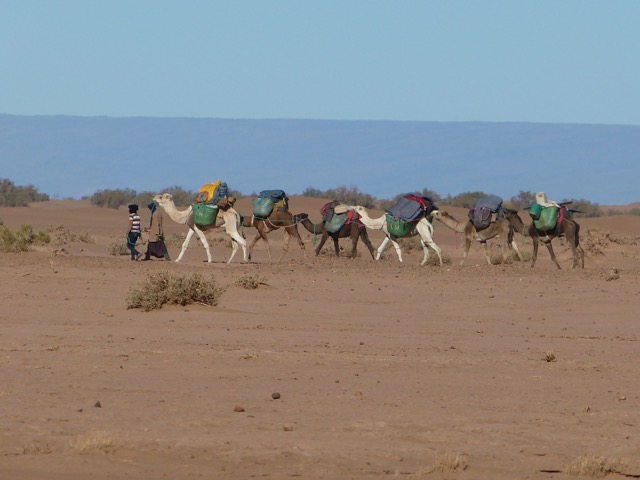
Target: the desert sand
pixel 382 369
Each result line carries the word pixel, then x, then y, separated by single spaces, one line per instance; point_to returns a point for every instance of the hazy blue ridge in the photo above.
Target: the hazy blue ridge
pixel 66 156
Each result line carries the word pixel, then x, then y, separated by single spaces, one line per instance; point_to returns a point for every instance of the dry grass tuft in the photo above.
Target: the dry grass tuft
pixel 37 448
pixel 166 288
pixel 549 357
pixel 97 442
pixel 591 465
pixel 118 248
pixel 250 282
pixel 449 462
pixel 614 274
pixel 62 236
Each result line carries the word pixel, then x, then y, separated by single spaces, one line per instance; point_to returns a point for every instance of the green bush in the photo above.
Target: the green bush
pixel 343 194
pixel 584 208
pixel 15 196
pixel 464 199
pixel 22 239
pixel 166 288
pixel 112 198
pixel 522 201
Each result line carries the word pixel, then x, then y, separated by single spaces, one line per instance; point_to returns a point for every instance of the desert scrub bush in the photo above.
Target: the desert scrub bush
pixel 62 235
pixel 591 465
pixel 449 462
pixel 250 282
pixel 36 448
pixel 118 248
pixel 22 239
pixel 12 195
pixel 165 288
pixel 96 442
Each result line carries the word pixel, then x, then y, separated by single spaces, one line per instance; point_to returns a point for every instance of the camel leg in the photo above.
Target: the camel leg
pixel 234 249
pixel 323 239
pixel 381 248
pixel 426 238
pixel 576 254
pixel 293 232
pixel 285 244
pixel 253 244
pixel 354 244
pixel 514 245
pixel 367 242
pixel 204 241
pixel 336 245
pixel 553 255
pixel 235 235
pixel 425 252
pixel 384 244
pixel 185 244
pixel 486 252
pixel 466 248
pixel 581 252
pixel 534 255
pixel 578 251
pixel 396 245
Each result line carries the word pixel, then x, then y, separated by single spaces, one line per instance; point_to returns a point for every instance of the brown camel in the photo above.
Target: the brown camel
pixel 568 228
pixel 274 221
pixel 501 228
pixel 354 229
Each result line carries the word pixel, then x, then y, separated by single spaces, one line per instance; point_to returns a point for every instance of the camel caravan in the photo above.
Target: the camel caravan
pixel 411 215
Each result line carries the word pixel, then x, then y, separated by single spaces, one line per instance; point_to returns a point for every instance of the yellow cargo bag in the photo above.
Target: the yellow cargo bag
pixel 206 192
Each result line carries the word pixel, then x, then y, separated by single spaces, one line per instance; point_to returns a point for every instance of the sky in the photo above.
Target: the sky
pixel 549 61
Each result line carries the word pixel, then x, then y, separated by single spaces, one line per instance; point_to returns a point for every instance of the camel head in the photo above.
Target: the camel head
pixel 299 217
pixel 360 209
pixel 439 215
pixel 163 199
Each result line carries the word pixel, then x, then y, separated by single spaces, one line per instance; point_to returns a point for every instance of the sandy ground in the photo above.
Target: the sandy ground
pixel 383 369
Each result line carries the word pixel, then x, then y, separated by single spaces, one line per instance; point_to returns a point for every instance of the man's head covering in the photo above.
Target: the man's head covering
pixel 133 208
pixel 152 206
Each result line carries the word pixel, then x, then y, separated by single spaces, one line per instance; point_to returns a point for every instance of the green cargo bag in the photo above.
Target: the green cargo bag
pixel 548 219
pixel 204 214
pixel 398 227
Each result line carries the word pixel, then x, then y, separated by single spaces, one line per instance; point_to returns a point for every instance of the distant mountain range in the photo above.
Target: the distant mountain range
pixel 69 157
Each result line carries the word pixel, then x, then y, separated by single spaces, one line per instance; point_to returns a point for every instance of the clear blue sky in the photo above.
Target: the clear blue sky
pixel 558 61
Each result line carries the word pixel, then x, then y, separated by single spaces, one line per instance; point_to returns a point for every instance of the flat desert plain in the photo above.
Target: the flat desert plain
pixel 383 369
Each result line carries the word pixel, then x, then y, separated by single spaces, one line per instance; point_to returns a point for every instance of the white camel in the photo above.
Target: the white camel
pixel 228 218
pixel 422 228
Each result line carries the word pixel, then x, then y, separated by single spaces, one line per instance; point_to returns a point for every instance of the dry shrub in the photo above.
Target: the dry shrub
pixel 250 282
pixel 614 274
pixel 96 442
pixel 591 465
pixel 449 462
pixel 549 357
pixel 62 235
pixel 166 288
pixel 37 448
pixel 118 248
pixel 21 240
